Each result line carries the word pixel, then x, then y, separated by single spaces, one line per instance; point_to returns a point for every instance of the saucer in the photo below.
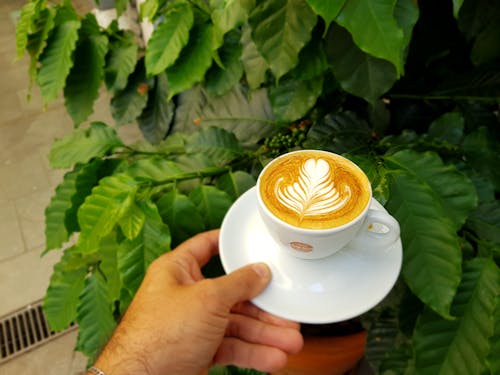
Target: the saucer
pixel 333 289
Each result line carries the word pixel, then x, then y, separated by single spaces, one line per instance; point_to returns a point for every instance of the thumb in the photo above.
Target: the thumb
pixel 244 283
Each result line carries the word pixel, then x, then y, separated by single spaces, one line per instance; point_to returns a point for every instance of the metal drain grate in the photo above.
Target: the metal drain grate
pixel 23 330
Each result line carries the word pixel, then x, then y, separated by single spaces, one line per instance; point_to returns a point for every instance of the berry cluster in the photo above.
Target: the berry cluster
pixel 287 140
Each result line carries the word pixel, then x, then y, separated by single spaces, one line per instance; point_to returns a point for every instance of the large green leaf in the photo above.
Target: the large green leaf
pixel 135 256
pixel 250 118
pixel 60 214
pixel 132 221
pixel 221 80
pixel 156 118
pixel 108 249
pixel 374 29
pixel 456 193
pixel 101 211
pixel 406 14
pixel 448 128
pixel 280 28
pixel 431 251
pixel 128 104
pixel 485 221
pixel 357 72
pixel 169 38
pixel 84 79
pixel 36 43
pixel 66 284
pixel 254 64
pixel 95 316
pixel 212 204
pixel 235 183
pixel 24 26
pixel 56 59
pixel 328 10
pixel 292 99
pixel 181 216
pixel 154 168
pixel 216 143
pixel 120 61
pixel 312 61
pixel 461 346
pixel 194 60
pixel 229 14
pixel 83 144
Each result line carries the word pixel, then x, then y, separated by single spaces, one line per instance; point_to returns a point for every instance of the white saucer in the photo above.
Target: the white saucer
pixel 333 289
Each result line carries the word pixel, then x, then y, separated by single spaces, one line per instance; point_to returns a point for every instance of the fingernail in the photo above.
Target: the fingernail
pixel 262 270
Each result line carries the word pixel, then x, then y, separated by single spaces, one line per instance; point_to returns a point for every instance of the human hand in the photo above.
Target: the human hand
pixel 180 323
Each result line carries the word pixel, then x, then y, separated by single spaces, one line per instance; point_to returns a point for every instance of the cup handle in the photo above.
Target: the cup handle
pixel 367 236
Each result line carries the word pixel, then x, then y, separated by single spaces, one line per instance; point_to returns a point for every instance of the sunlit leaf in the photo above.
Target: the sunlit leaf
pixel 120 61
pixel 83 144
pixel 229 14
pixel 101 211
pixel 254 64
pixel 135 256
pixel 235 183
pixel 374 29
pixel 169 37
pixel 328 10
pixel 24 27
pixel 154 168
pixel 132 221
pixel 218 144
pixel 280 28
pixel 56 59
pixel 193 62
pixel 108 249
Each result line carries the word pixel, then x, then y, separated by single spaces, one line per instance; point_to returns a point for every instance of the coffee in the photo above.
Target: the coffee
pixel 314 189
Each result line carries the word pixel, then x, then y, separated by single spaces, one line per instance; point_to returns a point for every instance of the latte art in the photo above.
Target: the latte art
pixel 314 193
pixel 314 189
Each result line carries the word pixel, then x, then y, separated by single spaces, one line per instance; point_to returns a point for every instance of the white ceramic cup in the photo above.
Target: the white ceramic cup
pixel 373 229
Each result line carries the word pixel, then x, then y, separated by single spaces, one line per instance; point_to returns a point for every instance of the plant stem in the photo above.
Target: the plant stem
pixel 256 119
pixel 202 173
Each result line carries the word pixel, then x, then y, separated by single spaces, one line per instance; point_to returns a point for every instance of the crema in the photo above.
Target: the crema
pixel 314 189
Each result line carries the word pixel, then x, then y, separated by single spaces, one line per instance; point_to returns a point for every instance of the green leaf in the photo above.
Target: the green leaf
pixel 357 72
pixel 431 250
pixel 101 211
pixel 95 317
pixel 36 43
pixel 82 145
pixel 128 104
pixel 24 27
pixel 132 221
pixel 280 28
pixel 455 192
pixel 66 284
pixel 60 214
pixel 312 61
pixel 374 29
pixel 212 204
pixel 448 128
pixel 227 15
pixel 181 216
pixel 120 61
pixel 406 14
pixel 254 64
pixel 235 183
pixel 216 143
pixel 120 6
pixel 169 38
pixel 108 249
pixel 221 80
pixel 485 221
pixel 457 4
pixel 156 118
pixel 84 79
pixel 493 360
pixel 250 118
pixel 194 60
pixel 154 168
pixel 461 345
pixel 292 99
pixel 56 59
pixel 135 256
pixel 328 10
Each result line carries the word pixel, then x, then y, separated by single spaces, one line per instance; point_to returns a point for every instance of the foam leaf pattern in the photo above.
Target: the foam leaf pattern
pixel 314 193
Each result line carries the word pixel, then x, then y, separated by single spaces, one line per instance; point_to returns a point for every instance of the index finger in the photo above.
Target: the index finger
pixel 201 247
